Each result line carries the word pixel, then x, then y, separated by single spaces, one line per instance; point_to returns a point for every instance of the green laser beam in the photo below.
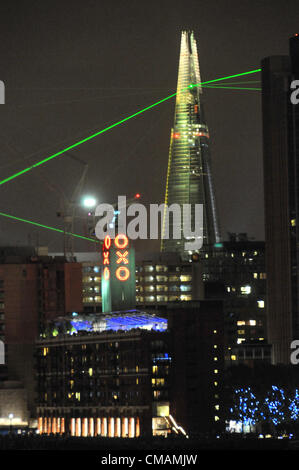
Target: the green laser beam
pixel 231 87
pixel 242 82
pixel 35 165
pixel 19 219
pixel 225 78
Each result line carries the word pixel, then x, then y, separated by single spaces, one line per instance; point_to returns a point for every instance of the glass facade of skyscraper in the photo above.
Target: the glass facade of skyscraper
pixel 189 178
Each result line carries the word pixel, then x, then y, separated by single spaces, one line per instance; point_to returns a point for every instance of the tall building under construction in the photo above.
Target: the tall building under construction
pixel 189 179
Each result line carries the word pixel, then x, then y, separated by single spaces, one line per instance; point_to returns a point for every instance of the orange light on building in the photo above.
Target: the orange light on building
pixel 54 425
pixel 107 242
pixel 98 427
pixel 122 257
pixel 40 424
pixel 122 273
pixel 137 427
pixel 121 241
pixel 106 257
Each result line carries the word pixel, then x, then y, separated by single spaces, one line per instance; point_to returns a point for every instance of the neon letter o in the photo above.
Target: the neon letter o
pixel 123 243
pixel 122 273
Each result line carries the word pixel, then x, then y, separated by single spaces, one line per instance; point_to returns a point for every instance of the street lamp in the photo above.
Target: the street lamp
pixel 89 202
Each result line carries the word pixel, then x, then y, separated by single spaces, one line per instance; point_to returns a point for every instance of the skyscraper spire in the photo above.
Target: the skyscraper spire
pixel 189 179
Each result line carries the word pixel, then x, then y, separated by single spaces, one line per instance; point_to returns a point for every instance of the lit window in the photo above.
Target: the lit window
pixel 149 288
pixel 240 322
pixel 261 303
pixel 233 357
pixel 252 322
pixel 215 371
pixel 186 297
pixel 161 278
pixel 185 288
pixel 162 298
pixel 185 278
pixel 293 222
pixel 148 268
pixel 245 290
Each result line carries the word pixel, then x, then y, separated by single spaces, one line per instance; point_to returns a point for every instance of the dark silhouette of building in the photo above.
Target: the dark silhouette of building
pixel 132 376
pixel 280 137
pixel 197 342
pixel 33 290
pixel 234 271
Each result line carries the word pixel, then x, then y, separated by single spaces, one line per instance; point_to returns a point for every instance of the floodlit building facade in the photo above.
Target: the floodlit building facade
pixel 189 179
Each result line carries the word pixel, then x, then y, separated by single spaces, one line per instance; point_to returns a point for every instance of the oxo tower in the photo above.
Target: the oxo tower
pixel 189 179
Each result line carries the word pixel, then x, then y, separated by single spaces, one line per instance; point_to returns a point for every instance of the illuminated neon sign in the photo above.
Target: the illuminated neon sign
pixel 122 273
pixel 120 243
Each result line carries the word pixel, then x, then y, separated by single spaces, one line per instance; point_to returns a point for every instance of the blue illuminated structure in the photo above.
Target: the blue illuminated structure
pixel 79 325
pixel 114 321
pixel 135 319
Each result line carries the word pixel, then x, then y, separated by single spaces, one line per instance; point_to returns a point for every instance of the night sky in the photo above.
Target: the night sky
pixel 73 67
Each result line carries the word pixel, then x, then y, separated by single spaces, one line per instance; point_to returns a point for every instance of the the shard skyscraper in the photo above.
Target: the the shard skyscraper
pixel 189 179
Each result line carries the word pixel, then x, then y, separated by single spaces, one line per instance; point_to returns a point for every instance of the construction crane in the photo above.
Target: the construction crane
pixel 69 210
pixel 68 206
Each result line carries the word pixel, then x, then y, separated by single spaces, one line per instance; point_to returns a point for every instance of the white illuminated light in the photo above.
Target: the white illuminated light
pixel 246 290
pixel 89 201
